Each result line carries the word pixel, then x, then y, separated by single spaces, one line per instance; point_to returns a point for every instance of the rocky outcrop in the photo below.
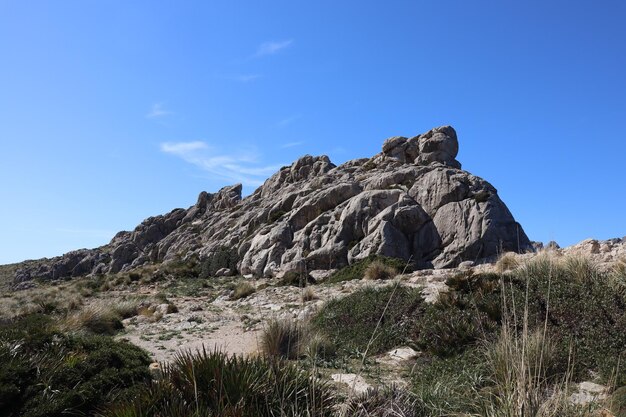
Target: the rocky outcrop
pixel 410 201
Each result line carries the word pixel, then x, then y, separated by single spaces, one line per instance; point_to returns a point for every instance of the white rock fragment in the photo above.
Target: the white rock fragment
pixel 402 354
pixel 588 392
pixel 354 381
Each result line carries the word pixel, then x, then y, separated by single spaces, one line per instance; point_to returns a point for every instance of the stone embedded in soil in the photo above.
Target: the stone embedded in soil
pixel 354 382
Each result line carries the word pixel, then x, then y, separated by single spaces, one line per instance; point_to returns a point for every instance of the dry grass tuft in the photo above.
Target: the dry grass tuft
pixel 242 290
pixel 309 295
pixel 617 276
pixel 150 312
pixel 283 339
pixel 507 262
pixel 319 346
pixel 379 271
pixel 99 319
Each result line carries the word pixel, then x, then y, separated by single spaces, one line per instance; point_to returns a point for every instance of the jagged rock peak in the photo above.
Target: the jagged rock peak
pixel 437 145
pixel 305 168
pixel 410 201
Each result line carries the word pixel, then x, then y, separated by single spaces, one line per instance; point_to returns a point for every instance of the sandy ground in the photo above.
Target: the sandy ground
pixel 234 327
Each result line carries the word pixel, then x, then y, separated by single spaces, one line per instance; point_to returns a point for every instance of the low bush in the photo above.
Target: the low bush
pixel 451 385
pixel 214 384
pixel 44 373
pixel 583 311
pixel 357 269
pixel 350 322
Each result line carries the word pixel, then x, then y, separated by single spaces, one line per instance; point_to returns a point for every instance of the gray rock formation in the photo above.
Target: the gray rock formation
pixel 410 201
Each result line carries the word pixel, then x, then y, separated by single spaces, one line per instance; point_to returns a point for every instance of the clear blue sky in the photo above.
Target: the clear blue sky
pixel 112 111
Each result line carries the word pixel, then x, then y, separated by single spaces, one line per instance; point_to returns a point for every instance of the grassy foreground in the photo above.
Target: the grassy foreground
pixel 506 344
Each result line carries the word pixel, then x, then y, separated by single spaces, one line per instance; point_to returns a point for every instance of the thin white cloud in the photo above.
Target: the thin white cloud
pixel 242 167
pixel 291 145
pixel 287 121
pixel 271 48
pixel 182 148
pixel 246 78
pixel 157 111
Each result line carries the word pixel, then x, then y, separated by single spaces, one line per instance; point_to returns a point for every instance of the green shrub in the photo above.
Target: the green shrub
pixel 450 386
pixel 447 330
pixel 582 310
pixel 357 269
pixel 214 384
pixel 46 373
pixel 349 322
pixel 579 305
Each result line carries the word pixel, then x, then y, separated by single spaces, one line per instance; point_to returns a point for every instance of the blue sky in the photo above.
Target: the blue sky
pixel 112 111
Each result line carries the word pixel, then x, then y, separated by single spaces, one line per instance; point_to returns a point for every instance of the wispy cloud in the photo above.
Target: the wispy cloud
pixel 182 148
pixel 291 145
pixel 243 167
pixel 271 48
pixel 246 78
pixel 157 111
pixel 287 121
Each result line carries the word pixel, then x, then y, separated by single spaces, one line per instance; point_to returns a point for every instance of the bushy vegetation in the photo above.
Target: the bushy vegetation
pixel 357 269
pixel 584 314
pixel 496 344
pixel 214 384
pixel 350 321
pixel 502 344
pixel 582 311
pixel 46 373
